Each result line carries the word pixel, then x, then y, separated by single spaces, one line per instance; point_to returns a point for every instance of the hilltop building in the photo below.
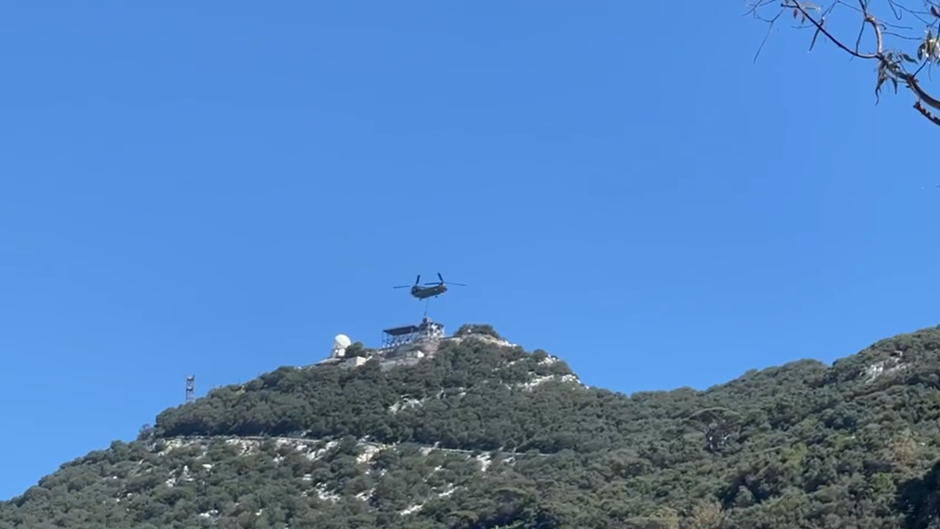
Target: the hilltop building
pixel 403 345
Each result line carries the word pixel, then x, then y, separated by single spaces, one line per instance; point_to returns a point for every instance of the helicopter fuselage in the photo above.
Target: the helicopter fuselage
pixel 428 292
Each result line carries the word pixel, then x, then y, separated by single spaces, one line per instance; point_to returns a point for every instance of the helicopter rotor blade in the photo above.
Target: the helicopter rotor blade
pixel 403 286
pixel 439 276
pixel 418 279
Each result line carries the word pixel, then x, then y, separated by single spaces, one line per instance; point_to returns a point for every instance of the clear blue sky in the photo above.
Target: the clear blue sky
pixel 218 188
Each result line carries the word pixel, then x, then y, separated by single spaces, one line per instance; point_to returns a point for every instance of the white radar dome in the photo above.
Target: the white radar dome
pixel 341 341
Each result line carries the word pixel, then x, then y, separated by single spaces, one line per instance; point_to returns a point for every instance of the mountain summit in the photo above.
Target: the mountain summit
pixel 475 432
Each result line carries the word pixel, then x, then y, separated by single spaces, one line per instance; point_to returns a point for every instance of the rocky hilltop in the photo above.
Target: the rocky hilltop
pixel 482 434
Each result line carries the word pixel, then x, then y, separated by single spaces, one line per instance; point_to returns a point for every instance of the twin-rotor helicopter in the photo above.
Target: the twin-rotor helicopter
pixel 432 290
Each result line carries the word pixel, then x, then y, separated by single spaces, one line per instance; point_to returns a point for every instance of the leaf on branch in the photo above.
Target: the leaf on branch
pixel 883 76
pixel 929 49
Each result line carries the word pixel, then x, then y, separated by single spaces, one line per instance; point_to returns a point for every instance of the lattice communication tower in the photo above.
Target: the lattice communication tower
pixel 190 388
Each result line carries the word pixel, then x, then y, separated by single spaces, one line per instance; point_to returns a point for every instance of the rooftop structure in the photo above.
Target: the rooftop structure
pixel 426 331
pixel 403 345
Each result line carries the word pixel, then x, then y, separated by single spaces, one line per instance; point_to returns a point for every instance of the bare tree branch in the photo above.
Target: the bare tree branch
pixel 892 60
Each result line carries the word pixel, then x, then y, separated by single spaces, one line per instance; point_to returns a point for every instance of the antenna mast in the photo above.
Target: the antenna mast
pixel 190 388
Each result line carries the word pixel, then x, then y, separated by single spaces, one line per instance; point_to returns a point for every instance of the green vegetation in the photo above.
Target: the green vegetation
pixel 477 328
pixel 484 436
pixel 356 349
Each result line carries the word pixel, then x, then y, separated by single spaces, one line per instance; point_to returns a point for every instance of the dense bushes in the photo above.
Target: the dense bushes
pixel 800 445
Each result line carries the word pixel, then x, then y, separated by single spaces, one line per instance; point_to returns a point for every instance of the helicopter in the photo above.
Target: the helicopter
pixel 425 292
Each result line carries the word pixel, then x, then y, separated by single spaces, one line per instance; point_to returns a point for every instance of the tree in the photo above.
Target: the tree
pixel 901 36
pixel 706 514
pixel 146 432
pixel 477 328
pixel 720 426
pixel 356 349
